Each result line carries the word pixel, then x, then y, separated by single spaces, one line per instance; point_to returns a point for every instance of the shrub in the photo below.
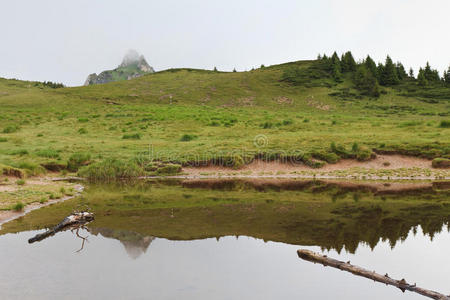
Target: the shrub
pixel 43 200
pixel 19 152
pixel 11 129
pixel 187 137
pixel 77 160
pixel 20 182
pixel 439 162
pixel 18 206
pixel 214 124
pixel 169 169
pixel 287 122
pixel 3 140
pixel 329 157
pixel 40 135
pixel 82 131
pixel 445 124
pixel 111 170
pixel 267 125
pixel 135 136
pixel 83 120
pixel 364 154
pixel 48 153
pixel 31 168
pixel 341 151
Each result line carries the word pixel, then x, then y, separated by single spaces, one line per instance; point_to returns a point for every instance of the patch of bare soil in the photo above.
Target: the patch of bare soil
pixel 386 162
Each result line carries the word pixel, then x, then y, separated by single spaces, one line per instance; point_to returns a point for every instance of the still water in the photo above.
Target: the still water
pixel 215 247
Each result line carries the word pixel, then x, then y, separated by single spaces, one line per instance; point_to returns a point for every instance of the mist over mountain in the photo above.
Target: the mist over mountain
pixel 133 65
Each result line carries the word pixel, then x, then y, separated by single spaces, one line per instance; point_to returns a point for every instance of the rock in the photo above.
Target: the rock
pixel 133 65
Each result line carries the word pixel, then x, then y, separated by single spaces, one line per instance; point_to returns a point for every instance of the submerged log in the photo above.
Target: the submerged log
pixel 75 218
pixel 346 266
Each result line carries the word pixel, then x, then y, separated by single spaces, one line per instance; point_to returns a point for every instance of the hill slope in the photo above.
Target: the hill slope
pixel 188 116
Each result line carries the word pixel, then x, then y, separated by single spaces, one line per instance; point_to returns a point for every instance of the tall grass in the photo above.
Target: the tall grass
pixel 111 169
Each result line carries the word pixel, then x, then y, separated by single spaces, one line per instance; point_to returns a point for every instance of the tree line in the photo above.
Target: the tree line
pixel 368 76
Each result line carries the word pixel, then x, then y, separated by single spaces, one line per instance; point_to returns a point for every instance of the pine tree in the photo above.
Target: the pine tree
pixel 348 63
pixel 446 76
pixel 411 73
pixel 421 79
pixel 366 82
pixel 371 66
pixel 401 73
pixel 389 76
pixel 215 69
pixel 336 70
pixel 234 70
pixel 430 74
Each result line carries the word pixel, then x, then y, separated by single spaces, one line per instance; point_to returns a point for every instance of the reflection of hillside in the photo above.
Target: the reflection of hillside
pixel 316 186
pixel 329 225
pixel 330 214
pixel 135 244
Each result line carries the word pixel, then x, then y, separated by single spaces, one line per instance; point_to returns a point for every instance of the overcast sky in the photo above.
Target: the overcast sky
pixel 64 41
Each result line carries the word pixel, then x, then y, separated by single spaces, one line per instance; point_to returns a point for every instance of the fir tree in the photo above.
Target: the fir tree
pixel 421 79
pixel 371 66
pixel 389 76
pixel 366 82
pixel 430 74
pixel 446 76
pixel 348 63
pixel 215 69
pixel 401 73
pixel 411 73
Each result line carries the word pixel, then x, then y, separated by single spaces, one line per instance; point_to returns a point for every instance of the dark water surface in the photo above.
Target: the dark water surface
pixel 233 240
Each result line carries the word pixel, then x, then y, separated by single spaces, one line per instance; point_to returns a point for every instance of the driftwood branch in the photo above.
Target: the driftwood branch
pixel 346 266
pixel 75 218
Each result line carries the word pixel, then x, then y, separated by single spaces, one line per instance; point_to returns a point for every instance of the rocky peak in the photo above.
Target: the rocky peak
pixel 133 65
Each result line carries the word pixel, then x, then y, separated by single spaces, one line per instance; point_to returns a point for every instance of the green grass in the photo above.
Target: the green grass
pixel 186 115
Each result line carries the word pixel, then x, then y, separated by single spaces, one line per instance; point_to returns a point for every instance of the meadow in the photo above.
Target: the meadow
pixel 186 116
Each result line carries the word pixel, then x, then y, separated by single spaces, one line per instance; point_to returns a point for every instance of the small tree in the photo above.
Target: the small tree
pixel 401 73
pixel 234 70
pixel 389 76
pixel 411 73
pixel 371 66
pixel 446 76
pixel 366 82
pixel 215 69
pixel 348 63
pixel 421 79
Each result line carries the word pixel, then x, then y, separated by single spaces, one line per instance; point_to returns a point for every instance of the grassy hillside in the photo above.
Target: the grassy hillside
pixel 184 115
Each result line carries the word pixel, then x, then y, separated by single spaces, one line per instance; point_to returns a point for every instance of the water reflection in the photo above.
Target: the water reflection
pixel 329 214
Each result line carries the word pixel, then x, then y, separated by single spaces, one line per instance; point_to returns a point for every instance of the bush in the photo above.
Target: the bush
pixel 77 160
pixel 31 168
pixel 364 154
pixel 83 120
pixel 445 124
pixel 135 136
pixel 48 153
pixel 442 163
pixel 187 137
pixel 82 131
pixel 111 170
pixel 169 169
pixel 19 152
pixel 10 129
pixel 20 182
pixel 18 206
pixel 329 157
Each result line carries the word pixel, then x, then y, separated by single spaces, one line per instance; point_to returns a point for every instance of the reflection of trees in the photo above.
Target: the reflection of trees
pixel 135 244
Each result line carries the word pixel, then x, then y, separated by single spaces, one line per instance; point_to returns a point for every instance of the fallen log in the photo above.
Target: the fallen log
pixel 76 218
pixel 346 266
